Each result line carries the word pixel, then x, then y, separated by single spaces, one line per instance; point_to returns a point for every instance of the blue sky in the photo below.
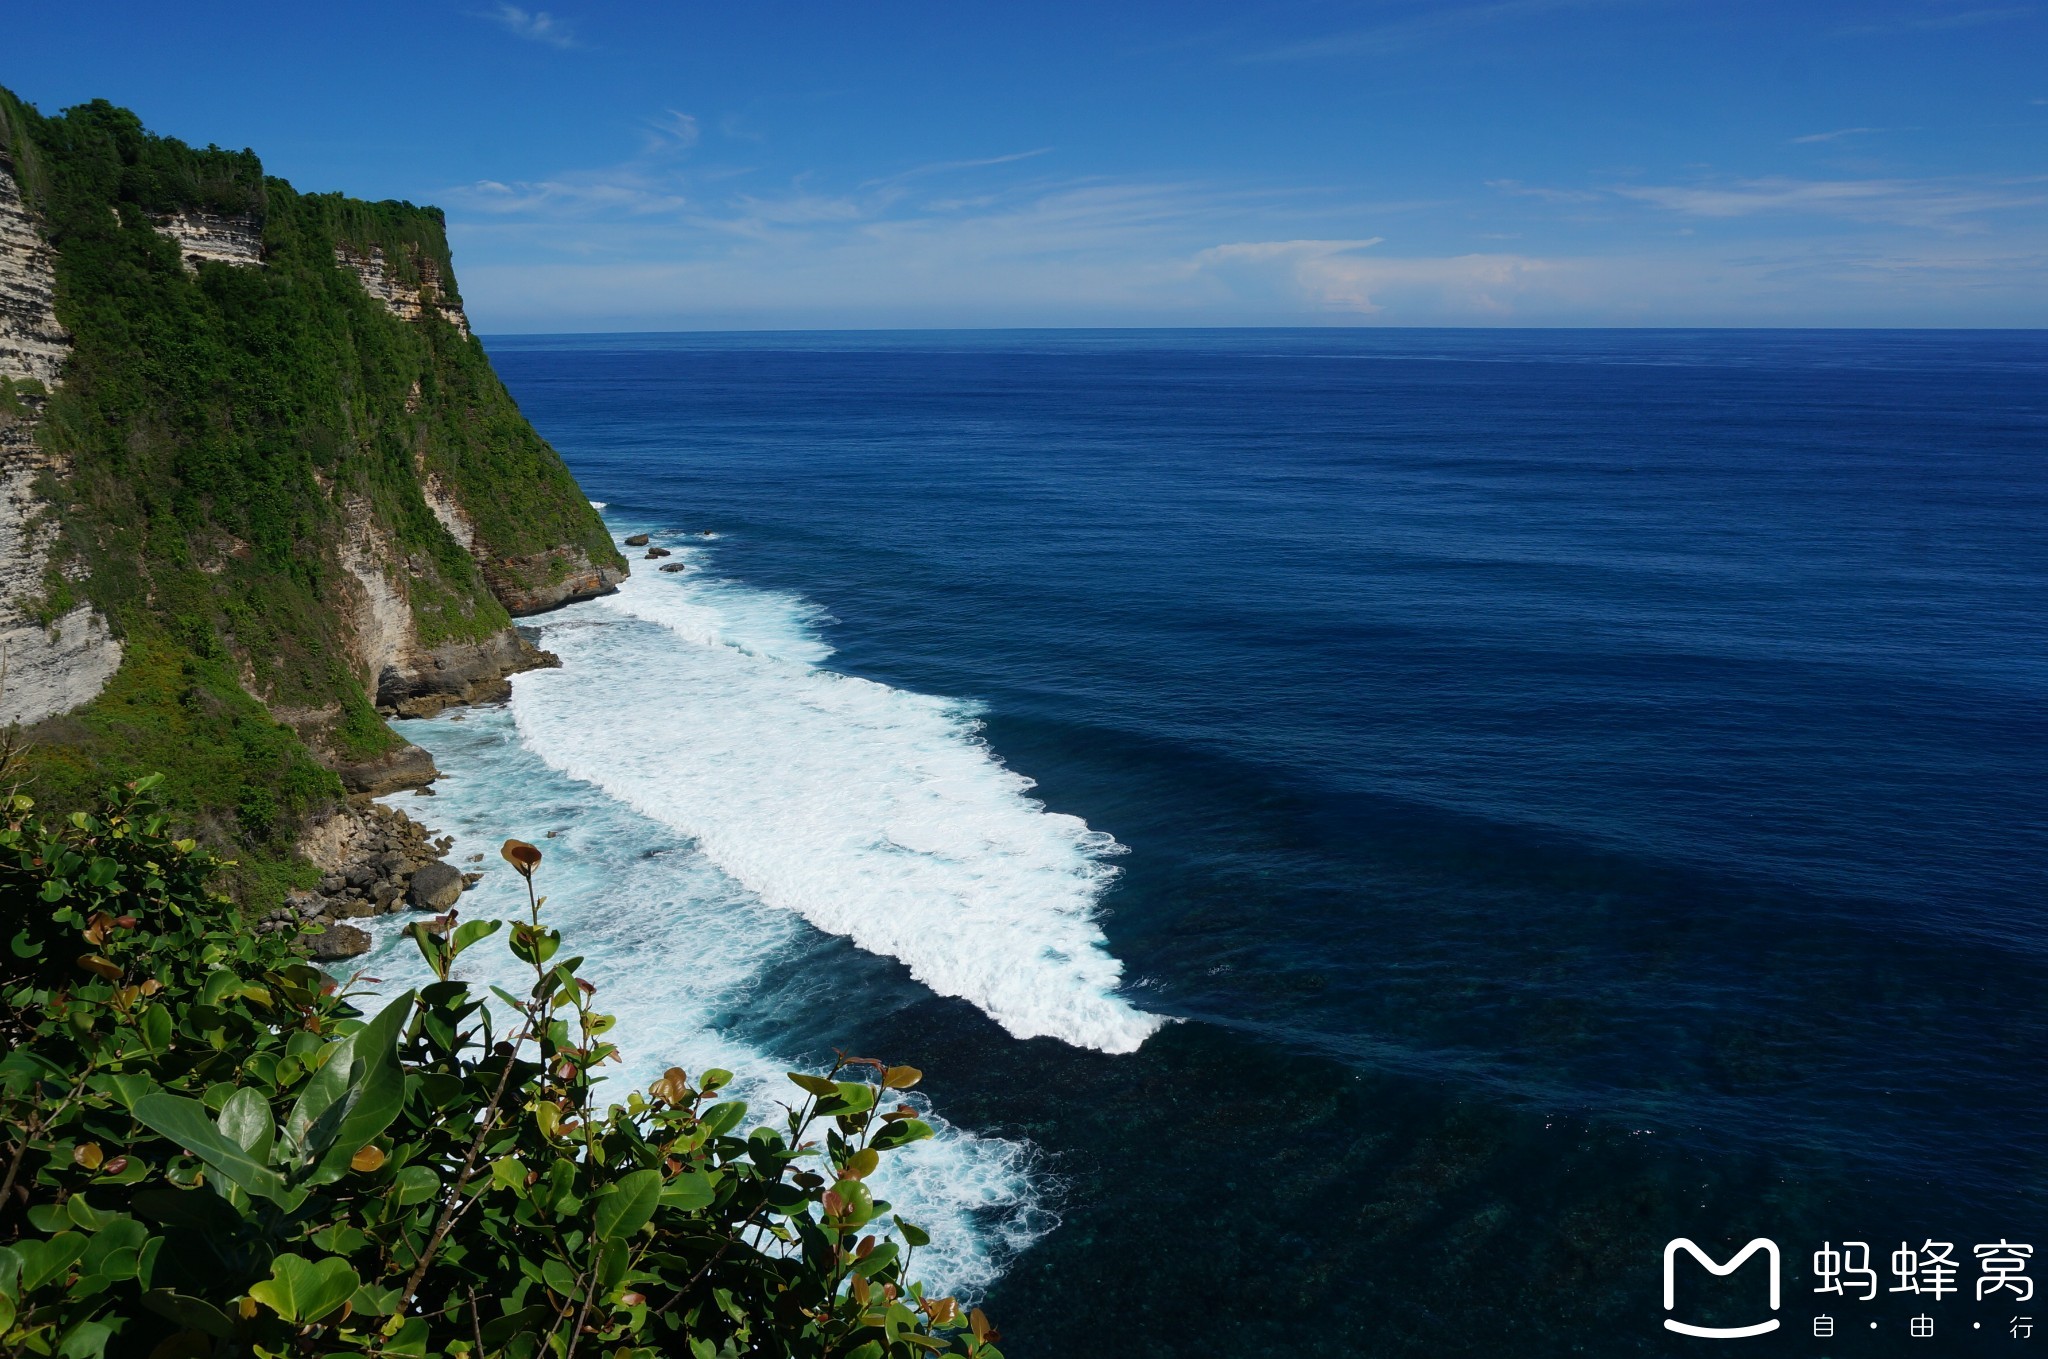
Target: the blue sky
pixel 1301 162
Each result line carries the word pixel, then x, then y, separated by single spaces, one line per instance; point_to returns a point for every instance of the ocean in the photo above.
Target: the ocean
pixel 1370 835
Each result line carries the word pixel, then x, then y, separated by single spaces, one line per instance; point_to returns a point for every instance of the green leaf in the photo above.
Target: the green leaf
pixel 368 1102
pixel 85 1215
pixel 155 1023
pixel 86 1340
pixel 721 1119
pixel 370 1300
pixel 321 1092
pixel 469 932
pixel 416 1184
pixel 817 1085
pixel 560 1278
pixel 194 1314
pixel 688 1191
pixel 916 1236
pixel 124 1089
pixel 304 1290
pixel 245 1119
pixel 185 1122
pixel 625 1207
pixel 116 1252
pixel 42 1261
pixel 902 1133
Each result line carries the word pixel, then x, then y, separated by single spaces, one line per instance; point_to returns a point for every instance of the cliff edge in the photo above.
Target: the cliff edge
pixel 260 488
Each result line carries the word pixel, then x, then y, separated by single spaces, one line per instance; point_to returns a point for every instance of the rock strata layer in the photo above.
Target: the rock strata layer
pixel 55 655
pixel 203 236
pixel 406 301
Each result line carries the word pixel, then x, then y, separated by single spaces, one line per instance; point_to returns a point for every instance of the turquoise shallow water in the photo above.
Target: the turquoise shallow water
pixel 1370 835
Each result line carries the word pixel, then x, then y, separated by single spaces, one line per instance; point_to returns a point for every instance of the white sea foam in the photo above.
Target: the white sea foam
pixel 874 813
pixel 677 949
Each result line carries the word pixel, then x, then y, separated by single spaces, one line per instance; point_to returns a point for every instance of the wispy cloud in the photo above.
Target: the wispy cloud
pixel 609 194
pixel 948 166
pixel 1945 204
pixel 1836 135
pixel 674 128
pixel 535 25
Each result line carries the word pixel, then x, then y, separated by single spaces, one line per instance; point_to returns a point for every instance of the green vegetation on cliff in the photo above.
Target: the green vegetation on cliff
pixel 231 433
pixel 209 1151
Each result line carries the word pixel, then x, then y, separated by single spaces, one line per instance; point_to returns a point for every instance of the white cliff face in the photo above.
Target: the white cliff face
pixel 203 236
pixel 32 344
pixel 402 299
pixel 44 670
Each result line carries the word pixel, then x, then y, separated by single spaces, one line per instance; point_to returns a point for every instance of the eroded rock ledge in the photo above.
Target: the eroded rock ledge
pixel 457 673
pixel 548 580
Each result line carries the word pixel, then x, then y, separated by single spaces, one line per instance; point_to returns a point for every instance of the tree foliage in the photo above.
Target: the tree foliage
pixel 212 1149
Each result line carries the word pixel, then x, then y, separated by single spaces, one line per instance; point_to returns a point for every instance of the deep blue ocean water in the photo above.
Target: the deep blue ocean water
pixel 1562 791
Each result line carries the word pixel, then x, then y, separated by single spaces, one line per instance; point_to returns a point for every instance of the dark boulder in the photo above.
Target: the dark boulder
pixel 340 941
pixel 435 887
pixel 637 540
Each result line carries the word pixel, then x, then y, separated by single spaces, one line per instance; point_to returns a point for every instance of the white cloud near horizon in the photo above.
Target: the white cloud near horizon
pixel 675 239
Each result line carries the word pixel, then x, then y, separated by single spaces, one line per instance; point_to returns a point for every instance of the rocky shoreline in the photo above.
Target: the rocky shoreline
pixel 376 861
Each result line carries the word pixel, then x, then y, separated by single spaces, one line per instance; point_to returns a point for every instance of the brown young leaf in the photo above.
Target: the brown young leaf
pixel 92 962
pixel 523 857
pixel 901 1077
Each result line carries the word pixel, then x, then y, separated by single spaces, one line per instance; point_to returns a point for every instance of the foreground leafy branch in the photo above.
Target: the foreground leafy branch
pixel 211 1150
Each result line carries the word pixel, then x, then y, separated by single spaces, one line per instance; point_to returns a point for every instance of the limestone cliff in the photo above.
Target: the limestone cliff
pixel 259 487
pixel 56 653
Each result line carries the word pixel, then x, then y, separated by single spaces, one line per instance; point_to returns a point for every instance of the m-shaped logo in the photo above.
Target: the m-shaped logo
pixel 1671 1250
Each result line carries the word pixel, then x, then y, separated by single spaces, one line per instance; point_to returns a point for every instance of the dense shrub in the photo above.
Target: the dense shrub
pixel 212 1151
